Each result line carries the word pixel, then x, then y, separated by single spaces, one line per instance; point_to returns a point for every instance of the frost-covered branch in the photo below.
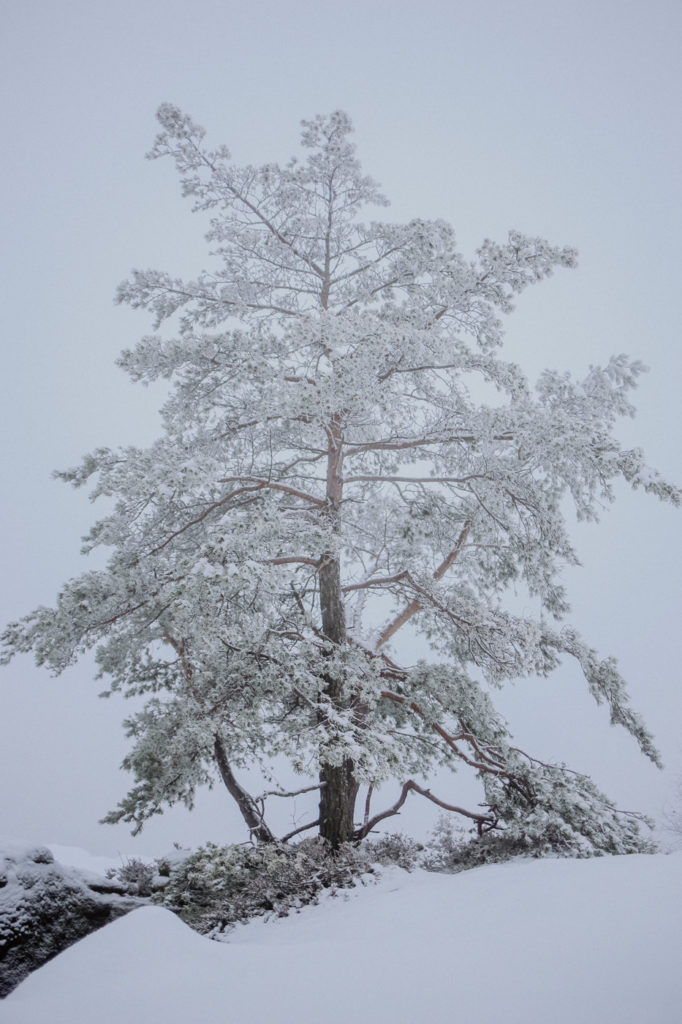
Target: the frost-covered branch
pixel 414 606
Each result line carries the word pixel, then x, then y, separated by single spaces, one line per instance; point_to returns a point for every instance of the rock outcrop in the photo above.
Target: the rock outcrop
pixel 46 906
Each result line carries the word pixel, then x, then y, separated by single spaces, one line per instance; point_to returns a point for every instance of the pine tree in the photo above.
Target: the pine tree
pixel 344 452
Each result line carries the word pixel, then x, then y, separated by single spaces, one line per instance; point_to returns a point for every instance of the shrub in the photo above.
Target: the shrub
pixel 395 848
pixel 451 848
pixel 136 875
pixel 220 885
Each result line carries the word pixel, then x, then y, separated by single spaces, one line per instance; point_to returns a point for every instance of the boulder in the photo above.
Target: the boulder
pixel 46 906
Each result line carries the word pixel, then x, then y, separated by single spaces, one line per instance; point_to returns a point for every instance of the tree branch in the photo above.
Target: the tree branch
pixel 290 559
pixel 368 803
pixel 247 805
pixel 415 479
pixel 414 606
pixel 258 214
pixel 295 792
pixel 199 519
pixel 376 581
pixel 274 486
pixel 357 448
pixel 411 786
pixel 303 828
pixel 487 764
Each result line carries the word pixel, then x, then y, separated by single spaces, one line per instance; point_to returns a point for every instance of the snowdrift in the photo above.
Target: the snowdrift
pixel 539 942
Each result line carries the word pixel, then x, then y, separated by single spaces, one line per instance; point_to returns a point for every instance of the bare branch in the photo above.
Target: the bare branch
pixel 376 581
pixel 303 828
pixel 454 554
pixel 406 614
pixel 481 820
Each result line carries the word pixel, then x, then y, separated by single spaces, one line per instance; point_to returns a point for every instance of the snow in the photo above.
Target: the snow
pixel 555 941
pixel 76 857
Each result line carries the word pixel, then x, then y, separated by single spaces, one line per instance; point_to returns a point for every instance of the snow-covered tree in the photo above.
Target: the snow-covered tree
pixel 344 452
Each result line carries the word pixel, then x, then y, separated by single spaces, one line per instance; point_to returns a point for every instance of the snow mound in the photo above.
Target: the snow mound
pixel 595 941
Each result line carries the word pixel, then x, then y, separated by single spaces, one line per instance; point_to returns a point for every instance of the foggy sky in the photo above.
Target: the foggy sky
pixel 559 120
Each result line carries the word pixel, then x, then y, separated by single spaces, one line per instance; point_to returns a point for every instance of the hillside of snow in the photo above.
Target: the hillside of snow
pixel 529 942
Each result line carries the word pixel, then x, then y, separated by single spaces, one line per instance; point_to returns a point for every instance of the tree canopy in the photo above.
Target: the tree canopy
pixel 344 452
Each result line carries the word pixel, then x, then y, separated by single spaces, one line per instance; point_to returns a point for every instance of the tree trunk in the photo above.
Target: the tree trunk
pixel 247 805
pixel 339 787
pixel 337 802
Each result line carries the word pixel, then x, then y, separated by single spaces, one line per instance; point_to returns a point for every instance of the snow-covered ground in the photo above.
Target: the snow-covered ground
pixel 538 942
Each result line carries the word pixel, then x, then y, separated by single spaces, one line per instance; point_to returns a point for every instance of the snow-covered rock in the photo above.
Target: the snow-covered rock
pixel 46 906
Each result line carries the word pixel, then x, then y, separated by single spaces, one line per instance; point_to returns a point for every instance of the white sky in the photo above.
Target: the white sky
pixel 557 119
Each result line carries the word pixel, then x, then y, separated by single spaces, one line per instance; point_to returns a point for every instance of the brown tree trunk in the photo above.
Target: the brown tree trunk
pixel 339 788
pixel 247 805
pixel 337 802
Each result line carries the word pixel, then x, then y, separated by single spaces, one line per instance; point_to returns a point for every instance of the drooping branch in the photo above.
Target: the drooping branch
pixel 484 822
pixel 486 763
pixel 247 805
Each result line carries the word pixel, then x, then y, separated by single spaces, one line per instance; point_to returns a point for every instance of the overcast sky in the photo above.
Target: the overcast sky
pixel 558 119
